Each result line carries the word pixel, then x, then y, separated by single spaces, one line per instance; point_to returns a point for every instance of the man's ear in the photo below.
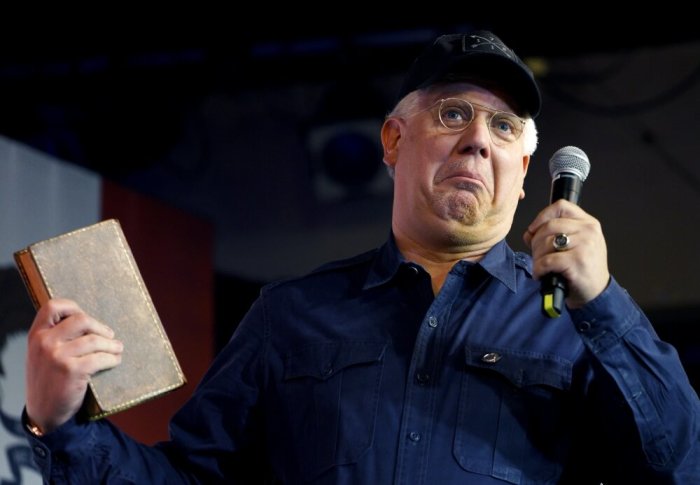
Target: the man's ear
pixel 391 134
pixel 526 165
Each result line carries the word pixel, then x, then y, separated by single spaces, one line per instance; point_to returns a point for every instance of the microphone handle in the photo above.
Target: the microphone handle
pixel 553 286
pixel 566 186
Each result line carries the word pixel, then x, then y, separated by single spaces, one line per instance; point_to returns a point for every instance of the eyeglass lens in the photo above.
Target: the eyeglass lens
pixel 457 114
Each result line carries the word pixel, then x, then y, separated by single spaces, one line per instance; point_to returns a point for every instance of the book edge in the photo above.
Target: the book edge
pixel 96 413
pixel 31 277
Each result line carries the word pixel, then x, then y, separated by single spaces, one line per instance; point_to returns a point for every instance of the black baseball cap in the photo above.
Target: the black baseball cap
pixel 478 55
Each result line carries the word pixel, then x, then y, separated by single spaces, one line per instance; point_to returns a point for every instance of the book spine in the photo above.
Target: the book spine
pixel 31 277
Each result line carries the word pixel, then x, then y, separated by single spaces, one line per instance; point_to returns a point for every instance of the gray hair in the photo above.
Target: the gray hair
pixel 414 101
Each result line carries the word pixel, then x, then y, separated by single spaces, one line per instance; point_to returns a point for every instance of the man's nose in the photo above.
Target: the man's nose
pixel 476 137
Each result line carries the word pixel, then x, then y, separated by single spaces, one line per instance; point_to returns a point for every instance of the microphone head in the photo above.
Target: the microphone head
pixel 570 160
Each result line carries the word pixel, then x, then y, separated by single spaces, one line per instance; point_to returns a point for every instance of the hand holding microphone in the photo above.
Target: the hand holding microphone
pixel 569 168
pixel 568 248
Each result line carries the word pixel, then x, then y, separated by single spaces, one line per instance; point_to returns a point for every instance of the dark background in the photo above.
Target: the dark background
pixel 114 95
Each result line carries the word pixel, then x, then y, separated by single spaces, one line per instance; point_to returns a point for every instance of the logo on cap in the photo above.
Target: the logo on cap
pixel 484 43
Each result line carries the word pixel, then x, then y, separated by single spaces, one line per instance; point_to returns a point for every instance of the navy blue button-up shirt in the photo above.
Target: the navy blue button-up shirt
pixel 358 374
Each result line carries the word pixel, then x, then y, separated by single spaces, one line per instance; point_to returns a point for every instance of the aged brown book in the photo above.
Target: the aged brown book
pixel 95 267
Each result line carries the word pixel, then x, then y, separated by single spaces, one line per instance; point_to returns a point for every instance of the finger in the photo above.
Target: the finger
pixel 561 209
pixel 89 364
pixel 69 319
pixel 542 242
pixel 80 368
pixel 79 324
pixel 559 263
pixel 90 344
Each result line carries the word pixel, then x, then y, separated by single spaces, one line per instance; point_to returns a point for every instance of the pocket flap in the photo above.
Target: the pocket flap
pixel 323 360
pixel 522 368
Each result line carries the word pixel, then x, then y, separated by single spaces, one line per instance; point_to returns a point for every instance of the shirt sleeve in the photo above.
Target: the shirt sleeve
pixel 649 376
pixel 98 452
pixel 212 435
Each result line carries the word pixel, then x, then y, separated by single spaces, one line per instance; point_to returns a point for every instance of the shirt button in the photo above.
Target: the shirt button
pixel 491 357
pixel 40 451
pixel 414 436
pixel 584 326
pixel 422 377
pixel 432 321
pixel 327 370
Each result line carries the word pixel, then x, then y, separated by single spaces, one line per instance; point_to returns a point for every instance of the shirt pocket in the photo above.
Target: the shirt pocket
pixel 332 395
pixel 512 415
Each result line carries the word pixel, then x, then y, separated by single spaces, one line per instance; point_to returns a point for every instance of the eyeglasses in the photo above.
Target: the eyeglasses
pixel 457 114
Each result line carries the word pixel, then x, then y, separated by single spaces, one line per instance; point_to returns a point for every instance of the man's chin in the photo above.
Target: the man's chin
pixel 464 207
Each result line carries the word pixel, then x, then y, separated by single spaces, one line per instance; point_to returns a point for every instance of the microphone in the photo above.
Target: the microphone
pixel 569 167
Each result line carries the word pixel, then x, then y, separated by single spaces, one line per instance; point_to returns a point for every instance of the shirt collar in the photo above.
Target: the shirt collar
pixel 500 262
pixel 385 265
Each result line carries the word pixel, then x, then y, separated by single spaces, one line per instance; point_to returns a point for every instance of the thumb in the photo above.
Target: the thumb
pixel 53 311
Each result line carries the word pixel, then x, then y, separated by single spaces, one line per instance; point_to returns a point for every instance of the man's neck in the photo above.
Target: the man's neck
pixel 438 261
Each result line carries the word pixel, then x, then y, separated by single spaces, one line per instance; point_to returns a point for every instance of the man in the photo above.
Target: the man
pixel 428 360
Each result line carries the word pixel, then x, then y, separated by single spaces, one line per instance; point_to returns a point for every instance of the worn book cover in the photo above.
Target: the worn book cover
pixel 94 266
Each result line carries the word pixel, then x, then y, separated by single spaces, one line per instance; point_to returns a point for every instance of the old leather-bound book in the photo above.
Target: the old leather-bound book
pixel 94 266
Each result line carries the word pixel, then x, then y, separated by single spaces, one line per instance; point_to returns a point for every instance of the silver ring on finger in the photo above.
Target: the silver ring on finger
pixel 561 242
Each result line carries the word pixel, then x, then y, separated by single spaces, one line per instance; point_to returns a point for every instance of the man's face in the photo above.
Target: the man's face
pixel 454 188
